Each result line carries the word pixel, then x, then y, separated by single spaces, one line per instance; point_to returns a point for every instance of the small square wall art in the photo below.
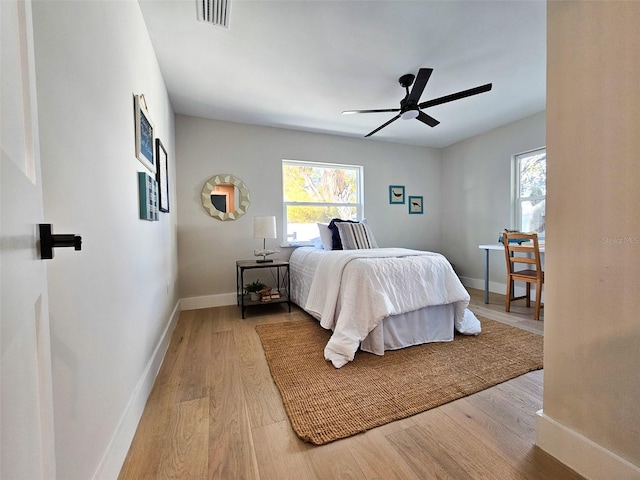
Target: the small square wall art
pixel 396 194
pixel 415 205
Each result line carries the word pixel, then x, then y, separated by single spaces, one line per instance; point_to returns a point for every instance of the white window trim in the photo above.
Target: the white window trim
pixel 515 186
pixel 359 204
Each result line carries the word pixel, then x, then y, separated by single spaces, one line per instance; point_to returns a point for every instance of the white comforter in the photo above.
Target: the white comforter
pixel 375 284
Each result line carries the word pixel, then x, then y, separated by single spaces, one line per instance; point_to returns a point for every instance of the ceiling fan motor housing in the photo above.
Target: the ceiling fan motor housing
pixel 408 109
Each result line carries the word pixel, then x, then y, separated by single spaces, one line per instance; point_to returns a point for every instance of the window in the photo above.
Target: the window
pixel 317 192
pixel 530 190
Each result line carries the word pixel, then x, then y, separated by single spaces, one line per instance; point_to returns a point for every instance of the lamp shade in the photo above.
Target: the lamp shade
pixel 264 227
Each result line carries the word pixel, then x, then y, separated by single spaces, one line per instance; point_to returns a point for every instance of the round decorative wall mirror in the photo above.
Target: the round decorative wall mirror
pixel 225 197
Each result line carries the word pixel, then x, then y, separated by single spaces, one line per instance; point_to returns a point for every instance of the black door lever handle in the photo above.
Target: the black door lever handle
pixel 49 241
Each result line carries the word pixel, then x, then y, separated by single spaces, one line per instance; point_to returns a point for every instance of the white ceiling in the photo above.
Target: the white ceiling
pixel 298 64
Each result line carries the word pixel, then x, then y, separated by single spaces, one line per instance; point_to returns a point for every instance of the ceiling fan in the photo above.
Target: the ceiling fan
pixel 409 106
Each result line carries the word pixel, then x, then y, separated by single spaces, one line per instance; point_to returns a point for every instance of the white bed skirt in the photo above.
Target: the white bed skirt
pixel 429 324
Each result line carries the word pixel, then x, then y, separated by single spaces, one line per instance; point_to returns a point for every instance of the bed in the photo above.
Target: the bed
pixel 380 299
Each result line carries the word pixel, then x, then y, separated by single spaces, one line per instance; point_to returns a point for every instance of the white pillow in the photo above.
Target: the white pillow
pixel 356 236
pixel 317 243
pixel 325 235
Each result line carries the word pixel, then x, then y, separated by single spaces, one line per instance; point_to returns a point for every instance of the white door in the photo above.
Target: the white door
pixel 26 399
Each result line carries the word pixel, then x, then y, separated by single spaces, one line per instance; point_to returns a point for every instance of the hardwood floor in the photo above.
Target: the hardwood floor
pixel 215 413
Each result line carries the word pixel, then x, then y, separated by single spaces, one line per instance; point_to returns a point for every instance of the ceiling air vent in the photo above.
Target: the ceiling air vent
pixel 215 12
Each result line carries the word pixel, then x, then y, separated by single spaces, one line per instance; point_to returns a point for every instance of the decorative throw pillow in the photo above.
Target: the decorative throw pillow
pixel 336 244
pixel 355 236
pixel 325 236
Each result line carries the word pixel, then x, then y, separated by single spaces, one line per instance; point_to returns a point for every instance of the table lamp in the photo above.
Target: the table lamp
pixel 264 227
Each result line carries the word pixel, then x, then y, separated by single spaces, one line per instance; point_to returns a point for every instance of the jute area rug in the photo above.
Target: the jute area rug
pixel 325 404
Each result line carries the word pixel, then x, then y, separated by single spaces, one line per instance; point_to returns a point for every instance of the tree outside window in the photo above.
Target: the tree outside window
pixel 531 190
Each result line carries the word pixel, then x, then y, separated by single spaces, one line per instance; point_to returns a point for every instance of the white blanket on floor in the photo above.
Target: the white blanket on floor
pixel 353 290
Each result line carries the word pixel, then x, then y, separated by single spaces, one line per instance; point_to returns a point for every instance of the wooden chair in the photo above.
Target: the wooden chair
pixel 513 252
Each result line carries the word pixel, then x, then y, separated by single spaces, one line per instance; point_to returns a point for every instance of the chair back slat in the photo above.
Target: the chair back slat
pixel 512 246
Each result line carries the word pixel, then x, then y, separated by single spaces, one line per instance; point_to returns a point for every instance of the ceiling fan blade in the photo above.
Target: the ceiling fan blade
pixel 419 84
pixel 384 110
pixel 383 125
pixel 456 96
pixel 428 119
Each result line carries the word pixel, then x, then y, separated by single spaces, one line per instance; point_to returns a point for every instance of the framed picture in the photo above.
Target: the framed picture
pixel 144 134
pixel 396 193
pixel 148 197
pixel 162 176
pixel 415 204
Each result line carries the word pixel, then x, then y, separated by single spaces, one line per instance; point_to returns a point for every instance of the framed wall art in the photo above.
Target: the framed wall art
pixel 415 205
pixel 144 133
pixel 396 194
pixel 162 176
pixel 148 193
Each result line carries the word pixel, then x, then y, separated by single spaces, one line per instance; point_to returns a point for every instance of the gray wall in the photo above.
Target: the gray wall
pixel 208 247
pixel 476 206
pixel 110 303
pixel 466 189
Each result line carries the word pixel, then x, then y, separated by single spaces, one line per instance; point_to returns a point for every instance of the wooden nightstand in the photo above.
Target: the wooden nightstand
pixel 283 285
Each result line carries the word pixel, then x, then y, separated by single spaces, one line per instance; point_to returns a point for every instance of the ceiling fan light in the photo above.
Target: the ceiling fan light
pixel 409 114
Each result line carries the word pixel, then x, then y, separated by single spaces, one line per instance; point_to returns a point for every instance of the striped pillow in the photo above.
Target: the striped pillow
pixel 355 236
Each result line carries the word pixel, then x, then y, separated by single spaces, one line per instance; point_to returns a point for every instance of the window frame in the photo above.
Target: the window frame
pixel 516 199
pixel 359 204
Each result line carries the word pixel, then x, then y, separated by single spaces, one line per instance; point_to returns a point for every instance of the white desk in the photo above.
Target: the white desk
pixel 487 248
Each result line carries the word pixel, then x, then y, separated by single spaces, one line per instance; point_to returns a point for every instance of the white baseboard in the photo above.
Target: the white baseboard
pixel 478 284
pixel 581 454
pixel 496 287
pixel 208 301
pixel 116 452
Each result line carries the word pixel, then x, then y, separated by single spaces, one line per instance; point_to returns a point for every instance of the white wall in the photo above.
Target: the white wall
pixel 110 303
pixel 208 247
pixel 591 419
pixel 476 207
